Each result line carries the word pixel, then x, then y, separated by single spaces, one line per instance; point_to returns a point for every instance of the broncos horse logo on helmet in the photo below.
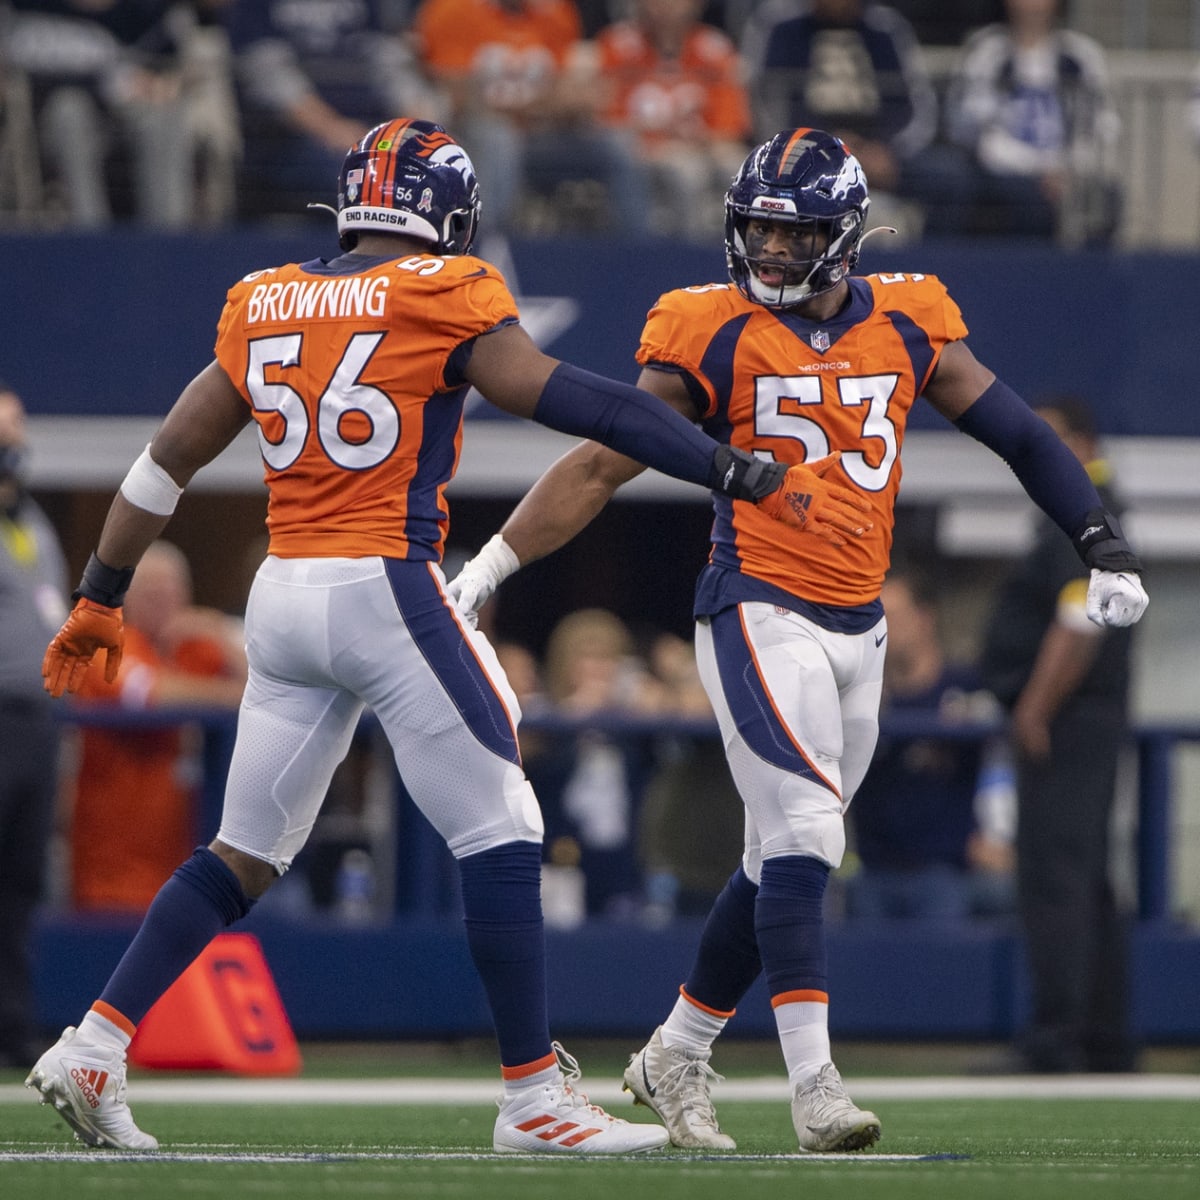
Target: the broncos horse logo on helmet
pixel 409 177
pixel 807 179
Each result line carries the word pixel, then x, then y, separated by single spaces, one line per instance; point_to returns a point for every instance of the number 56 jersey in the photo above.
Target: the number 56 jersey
pixel 353 371
pixel 794 390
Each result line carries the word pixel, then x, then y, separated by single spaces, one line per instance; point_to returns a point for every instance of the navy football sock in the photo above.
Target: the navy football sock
pixel 502 907
pixel 727 960
pixel 200 899
pixel 789 923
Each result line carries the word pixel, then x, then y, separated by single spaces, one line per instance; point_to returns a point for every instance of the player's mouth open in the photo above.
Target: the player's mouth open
pixel 771 274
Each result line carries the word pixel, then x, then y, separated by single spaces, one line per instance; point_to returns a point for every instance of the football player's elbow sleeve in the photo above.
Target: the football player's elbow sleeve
pixel 628 420
pixel 1051 475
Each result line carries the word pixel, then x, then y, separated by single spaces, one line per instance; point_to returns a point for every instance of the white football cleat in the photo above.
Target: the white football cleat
pixel 827 1119
pixel 86 1084
pixel 674 1082
pixel 553 1118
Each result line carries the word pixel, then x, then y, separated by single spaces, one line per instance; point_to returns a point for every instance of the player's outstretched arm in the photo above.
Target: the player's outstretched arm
pixel 970 395
pixel 207 416
pixel 515 375
pixel 578 486
pixel 561 503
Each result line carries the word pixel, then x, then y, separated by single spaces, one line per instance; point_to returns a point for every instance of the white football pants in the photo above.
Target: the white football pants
pixel 326 638
pixel 798 708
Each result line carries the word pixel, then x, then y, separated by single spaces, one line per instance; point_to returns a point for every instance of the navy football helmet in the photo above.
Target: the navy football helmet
pixel 809 180
pixel 409 177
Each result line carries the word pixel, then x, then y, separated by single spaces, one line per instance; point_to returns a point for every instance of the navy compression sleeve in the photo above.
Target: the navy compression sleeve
pixel 627 419
pixel 1052 476
pixel 646 428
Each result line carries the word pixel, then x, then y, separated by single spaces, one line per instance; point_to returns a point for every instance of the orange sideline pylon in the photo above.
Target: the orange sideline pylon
pixel 222 1014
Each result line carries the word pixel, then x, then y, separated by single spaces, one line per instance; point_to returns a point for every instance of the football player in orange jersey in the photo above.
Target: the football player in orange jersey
pixel 794 359
pixel 355 371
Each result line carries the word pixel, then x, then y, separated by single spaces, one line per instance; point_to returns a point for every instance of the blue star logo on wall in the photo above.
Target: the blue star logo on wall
pixel 544 318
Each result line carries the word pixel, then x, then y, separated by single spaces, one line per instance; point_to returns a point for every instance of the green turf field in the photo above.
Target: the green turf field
pixel 1037 1140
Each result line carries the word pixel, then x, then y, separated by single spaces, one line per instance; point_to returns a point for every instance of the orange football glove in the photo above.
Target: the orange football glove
pixel 807 502
pixel 89 628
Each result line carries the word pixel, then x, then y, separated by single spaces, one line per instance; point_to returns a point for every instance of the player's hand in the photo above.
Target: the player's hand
pixel 1115 598
pixel 90 627
pixel 480 576
pixel 807 501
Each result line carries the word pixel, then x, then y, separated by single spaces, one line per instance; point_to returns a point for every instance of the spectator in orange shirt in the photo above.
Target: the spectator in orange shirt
pixel 133 816
pixel 522 98
pixel 675 83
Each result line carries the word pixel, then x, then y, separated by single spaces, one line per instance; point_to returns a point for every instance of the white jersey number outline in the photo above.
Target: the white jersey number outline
pixel 342 395
pixel 776 398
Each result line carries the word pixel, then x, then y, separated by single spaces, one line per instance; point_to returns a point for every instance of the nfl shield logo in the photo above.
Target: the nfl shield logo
pixel 819 341
pixel 353 183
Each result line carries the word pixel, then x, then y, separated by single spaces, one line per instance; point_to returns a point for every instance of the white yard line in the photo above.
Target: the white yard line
pixel 303 1157
pixel 206 1089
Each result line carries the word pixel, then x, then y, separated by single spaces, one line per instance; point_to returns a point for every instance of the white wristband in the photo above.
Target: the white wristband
pixel 499 557
pixel 148 486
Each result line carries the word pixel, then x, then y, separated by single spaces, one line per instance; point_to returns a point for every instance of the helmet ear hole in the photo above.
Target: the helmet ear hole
pixel 459 229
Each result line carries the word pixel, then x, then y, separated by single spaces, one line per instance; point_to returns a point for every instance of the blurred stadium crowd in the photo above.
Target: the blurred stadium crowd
pixel 988 117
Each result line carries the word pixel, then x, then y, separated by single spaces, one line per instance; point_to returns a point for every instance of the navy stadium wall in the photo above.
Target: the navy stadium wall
pixel 118 324
pixel 409 975
pixel 414 979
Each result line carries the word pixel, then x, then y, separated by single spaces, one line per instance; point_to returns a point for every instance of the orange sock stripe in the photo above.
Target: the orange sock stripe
pixel 122 1022
pixel 527 1069
pixel 803 996
pixel 716 1012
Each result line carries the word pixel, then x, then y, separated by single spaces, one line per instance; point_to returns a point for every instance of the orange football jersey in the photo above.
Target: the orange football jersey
pixel 349 369
pixel 795 390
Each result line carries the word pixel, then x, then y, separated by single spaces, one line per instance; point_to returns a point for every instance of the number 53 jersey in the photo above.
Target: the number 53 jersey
pixel 353 371
pixel 794 390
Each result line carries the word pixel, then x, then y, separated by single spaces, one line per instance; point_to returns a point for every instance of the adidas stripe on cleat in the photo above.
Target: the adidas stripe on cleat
pixel 86 1084
pixel 554 1118
pixel 90 1084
